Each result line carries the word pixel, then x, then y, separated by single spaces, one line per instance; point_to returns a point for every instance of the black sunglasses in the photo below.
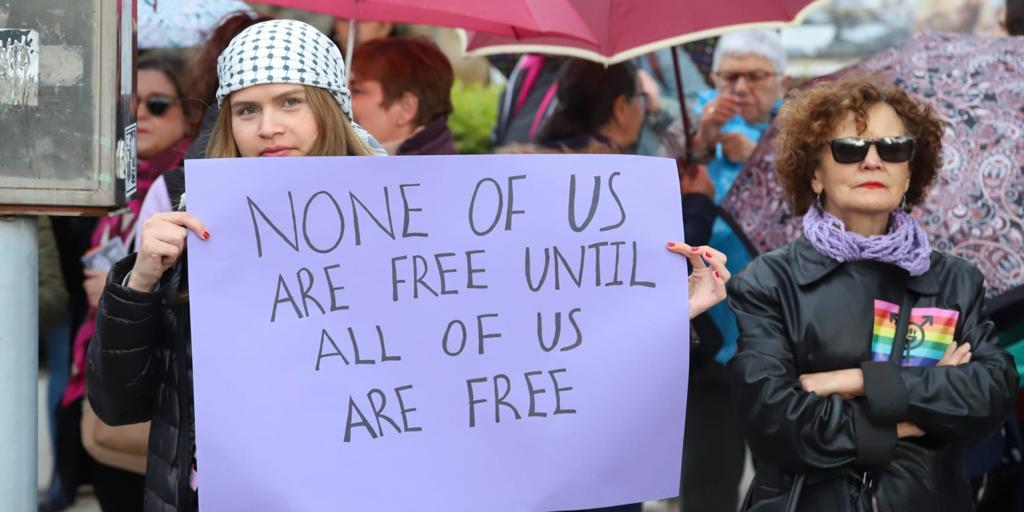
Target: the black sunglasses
pixel 158 104
pixel 851 150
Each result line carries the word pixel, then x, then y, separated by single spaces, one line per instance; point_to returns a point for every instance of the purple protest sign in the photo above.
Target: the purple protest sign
pixel 458 333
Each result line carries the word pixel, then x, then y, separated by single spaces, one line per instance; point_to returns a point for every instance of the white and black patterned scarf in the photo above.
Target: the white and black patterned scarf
pixel 287 52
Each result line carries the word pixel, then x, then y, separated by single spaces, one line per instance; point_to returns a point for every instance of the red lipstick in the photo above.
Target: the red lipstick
pixel 871 185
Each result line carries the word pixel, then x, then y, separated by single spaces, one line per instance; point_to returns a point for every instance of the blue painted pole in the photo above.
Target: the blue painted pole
pixel 19 361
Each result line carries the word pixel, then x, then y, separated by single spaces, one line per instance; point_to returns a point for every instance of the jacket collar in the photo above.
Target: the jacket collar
pixel 811 266
pixel 434 138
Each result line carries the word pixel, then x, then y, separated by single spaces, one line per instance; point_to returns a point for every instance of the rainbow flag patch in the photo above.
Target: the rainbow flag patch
pixel 929 333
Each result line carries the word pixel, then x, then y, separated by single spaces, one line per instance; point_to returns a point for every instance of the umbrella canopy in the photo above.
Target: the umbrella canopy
pixel 181 23
pixel 623 29
pixel 506 17
pixel 975 209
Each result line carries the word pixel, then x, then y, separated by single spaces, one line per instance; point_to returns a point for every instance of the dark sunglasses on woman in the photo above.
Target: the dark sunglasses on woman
pixel 158 104
pixel 851 150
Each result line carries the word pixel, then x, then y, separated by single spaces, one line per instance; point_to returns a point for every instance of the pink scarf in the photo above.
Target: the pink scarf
pixel 122 226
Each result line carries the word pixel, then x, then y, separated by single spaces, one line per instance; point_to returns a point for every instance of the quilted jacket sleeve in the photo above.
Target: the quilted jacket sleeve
pixel 124 367
pixel 783 424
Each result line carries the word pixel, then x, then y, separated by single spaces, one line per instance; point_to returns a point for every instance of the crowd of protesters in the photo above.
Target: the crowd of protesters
pixel 868 436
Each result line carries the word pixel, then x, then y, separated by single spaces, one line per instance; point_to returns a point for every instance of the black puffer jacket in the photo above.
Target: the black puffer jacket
pixel 801 312
pixel 139 369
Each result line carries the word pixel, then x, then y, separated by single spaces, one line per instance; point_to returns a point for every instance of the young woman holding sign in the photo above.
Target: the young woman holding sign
pixel 140 362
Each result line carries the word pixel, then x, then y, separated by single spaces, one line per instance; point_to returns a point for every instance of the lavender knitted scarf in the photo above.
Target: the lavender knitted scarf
pixel 905 245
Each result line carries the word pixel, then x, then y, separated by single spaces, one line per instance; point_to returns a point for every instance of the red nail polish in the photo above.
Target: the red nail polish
pixel 718 275
pixel 695 249
pixel 707 255
pixel 206 235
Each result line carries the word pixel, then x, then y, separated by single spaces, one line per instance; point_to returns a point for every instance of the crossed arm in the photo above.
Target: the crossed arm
pixel 853 417
pixel 849 383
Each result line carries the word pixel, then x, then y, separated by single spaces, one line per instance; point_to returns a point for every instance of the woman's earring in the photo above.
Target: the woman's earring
pixel 903 203
pixel 817 197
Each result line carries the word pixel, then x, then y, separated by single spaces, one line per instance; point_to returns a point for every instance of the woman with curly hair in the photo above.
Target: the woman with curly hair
pixel 865 358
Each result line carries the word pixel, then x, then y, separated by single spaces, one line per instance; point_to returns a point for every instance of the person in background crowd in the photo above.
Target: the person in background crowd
pixel 597 106
pixel 365 31
pixel 528 99
pixel 401 93
pixel 866 360
pixel 73 236
pixel 163 130
pixel 202 72
pixel 748 72
pixel 141 370
pixel 53 337
pixel 658 67
pixel 53 297
pixel 532 96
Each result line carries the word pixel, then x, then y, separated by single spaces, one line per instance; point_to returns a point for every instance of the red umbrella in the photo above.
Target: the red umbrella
pixel 513 18
pixel 624 29
pixel 507 17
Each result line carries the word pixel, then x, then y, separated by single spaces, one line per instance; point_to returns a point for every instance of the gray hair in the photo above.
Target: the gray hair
pixel 762 43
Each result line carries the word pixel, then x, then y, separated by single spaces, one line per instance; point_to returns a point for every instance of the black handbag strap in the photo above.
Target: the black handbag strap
pixel 899 340
pixel 794 493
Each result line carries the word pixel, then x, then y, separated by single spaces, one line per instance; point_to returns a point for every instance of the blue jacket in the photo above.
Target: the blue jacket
pixel 723 173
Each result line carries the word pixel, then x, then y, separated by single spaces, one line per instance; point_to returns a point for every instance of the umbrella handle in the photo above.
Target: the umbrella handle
pixel 349 44
pixel 683 109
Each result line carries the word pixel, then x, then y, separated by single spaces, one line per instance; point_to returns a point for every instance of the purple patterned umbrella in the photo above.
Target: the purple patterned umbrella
pixel 976 207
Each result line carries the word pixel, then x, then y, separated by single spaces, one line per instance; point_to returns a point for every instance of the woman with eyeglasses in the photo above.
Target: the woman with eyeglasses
pixel 202 73
pixel 866 361
pixel 139 363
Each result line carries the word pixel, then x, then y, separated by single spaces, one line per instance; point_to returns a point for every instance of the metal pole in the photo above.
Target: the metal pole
pixel 349 46
pixel 19 362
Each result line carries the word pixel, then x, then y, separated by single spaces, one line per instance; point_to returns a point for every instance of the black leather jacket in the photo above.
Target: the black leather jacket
pixel 139 369
pixel 801 312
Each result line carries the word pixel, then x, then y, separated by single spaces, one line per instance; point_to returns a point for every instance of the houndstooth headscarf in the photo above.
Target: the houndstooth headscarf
pixel 287 52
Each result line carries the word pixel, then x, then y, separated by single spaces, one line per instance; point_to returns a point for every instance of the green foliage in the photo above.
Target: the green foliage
pixel 476 112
